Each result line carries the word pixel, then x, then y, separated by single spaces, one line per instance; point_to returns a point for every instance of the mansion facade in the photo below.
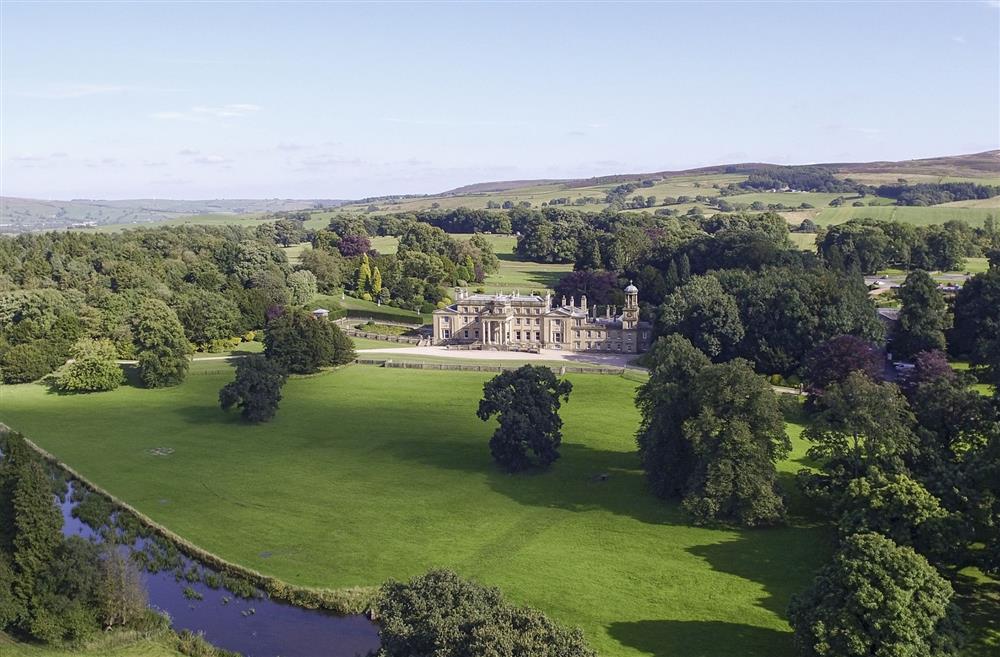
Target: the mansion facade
pixel 530 322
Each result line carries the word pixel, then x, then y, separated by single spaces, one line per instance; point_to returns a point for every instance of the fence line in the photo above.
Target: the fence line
pixel 458 367
pixel 357 333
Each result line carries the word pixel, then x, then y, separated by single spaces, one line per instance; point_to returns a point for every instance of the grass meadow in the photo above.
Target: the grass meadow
pixel 371 473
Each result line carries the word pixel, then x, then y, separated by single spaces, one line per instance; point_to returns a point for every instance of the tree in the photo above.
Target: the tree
pixel 24 363
pixel 441 615
pixel 161 345
pixel 976 335
pixel 899 508
pixel 326 266
pixel 256 390
pixel 736 436
pixel 363 275
pixel 94 367
pixel 599 286
pixel 861 425
pixel 704 313
pixel 923 318
pixel 665 402
pixel 375 284
pixel 301 344
pixel 122 595
pixel 37 525
pixel 833 360
pixel 526 401
pixel 208 317
pixel 876 599
pixel 351 246
pixel 303 286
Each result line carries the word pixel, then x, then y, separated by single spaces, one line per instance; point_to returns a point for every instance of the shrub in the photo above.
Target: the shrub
pixel 441 615
pixel 93 368
pixel 24 363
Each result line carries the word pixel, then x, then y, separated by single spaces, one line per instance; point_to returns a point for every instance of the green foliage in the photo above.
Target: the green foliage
pixel 711 435
pixel 301 344
pixel 302 285
pixel 876 599
pixel 736 437
pixel 665 402
pixel 24 363
pixel 899 508
pixel 526 401
pixel 977 322
pixel 861 425
pixel 37 525
pixel 441 615
pixel 924 316
pixel 94 367
pixel 162 348
pixel 704 313
pixel 207 316
pixel 256 390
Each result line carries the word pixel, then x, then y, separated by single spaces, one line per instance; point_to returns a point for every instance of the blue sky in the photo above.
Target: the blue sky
pixel 325 100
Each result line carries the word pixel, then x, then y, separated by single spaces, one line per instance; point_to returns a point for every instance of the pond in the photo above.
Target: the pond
pixel 255 627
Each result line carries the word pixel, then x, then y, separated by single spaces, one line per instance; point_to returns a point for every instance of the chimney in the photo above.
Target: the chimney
pixel 548 300
pixel 607 312
pixel 583 303
pixel 564 301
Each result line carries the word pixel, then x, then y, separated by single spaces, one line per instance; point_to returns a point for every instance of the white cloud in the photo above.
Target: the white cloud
pixel 205 113
pixel 212 159
pixel 188 151
pixel 958 38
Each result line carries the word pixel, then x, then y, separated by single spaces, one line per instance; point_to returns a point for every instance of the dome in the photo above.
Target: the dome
pixel 631 289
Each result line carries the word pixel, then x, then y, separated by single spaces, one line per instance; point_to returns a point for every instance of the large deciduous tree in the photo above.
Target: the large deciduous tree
pixel 256 390
pixel 737 435
pixel 441 615
pixel 923 318
pixel 861 425
pixel 876 599
pixel 976 335
pixel 301 344
pixel 526 402
pixel 161 346
pixel 704 313
pixel 833 360
pixel 665 402
pixel 94 367
pixel 711 435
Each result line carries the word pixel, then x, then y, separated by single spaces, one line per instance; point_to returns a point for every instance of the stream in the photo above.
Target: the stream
pixel 257 627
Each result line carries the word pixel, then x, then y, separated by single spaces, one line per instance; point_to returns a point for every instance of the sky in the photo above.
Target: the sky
pixel 191 100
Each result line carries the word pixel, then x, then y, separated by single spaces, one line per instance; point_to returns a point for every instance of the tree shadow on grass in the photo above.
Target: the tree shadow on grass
pixel 583 479
pixel 980 603
pixel 783 560
pixel 665 638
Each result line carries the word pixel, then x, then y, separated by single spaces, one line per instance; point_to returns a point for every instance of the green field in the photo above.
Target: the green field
pixel 919 216
pixel 139 648
pixel 351 484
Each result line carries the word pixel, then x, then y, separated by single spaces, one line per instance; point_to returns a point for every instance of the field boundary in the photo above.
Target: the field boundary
pixel 343 602
pixel 457 367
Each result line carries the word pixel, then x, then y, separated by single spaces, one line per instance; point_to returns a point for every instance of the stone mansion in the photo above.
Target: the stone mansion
pixel 530 322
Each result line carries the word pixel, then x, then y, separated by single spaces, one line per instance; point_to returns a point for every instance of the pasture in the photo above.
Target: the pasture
pixel 918 216
pixel 371 473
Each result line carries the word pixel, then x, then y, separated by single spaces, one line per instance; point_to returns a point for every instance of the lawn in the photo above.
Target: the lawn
pixel 101 648
pixel 918 216
pixel 370 473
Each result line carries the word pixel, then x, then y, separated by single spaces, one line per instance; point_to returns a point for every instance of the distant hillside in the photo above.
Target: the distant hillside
pixel 973 165
pixel 24 214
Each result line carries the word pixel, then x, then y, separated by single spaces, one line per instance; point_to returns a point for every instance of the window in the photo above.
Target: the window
pixel 538 336
pixel 518 334
pixel 466 333
pixel 446 334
